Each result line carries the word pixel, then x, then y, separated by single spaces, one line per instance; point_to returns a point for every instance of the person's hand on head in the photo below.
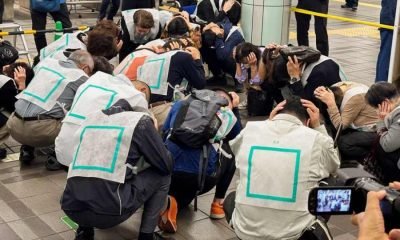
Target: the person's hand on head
pixel 384 109
pixel 158 49
pixel 252 59
pixel 293 67
pixel 271 46
pixel 276 110
pixel 228 5
pixel 185 15
pixel 20 77
pixel 119 45
pixel 194 52
pixel 395 185
pixel 325 95
pixel 235 99
pixel 313 112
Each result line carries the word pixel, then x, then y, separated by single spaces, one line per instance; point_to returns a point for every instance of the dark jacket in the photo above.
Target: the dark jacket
pixel 224 46
pixel 205 12
pixel 7 99
pixel 111 198
pixel 182 67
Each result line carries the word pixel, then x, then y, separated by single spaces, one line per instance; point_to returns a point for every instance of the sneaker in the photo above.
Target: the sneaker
pixel 243 105
pixel 26 154
pixel 217 211
pixel 354 9
pixel 84 233
pixel 3 153
pixel 167 220
pixel 345 6
pixel 52 164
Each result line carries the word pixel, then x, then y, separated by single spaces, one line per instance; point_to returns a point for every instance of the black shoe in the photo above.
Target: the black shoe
pixel 3 153
pixel 354 9
pixel 52 164
pixel 239 88
pixel 217 81
pixel 27 154
pixel 345 6
pixel 84 233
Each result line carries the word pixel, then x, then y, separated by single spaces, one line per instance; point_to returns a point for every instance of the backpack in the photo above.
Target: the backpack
pixel 196 121
pixel 45 5
pixel 8 53
pixel 196 124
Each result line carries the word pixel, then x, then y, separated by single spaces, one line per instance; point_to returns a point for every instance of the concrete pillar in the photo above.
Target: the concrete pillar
pixel 394 69
pixel 8 14
pixel 266 21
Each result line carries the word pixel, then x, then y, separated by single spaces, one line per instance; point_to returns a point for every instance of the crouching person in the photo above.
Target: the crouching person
pixel 280 160
pixel 105 184
pixel 42 105
pixel 202 159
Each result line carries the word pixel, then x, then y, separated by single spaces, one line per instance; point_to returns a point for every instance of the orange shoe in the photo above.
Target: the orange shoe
pixel 217 211
pixel 167 220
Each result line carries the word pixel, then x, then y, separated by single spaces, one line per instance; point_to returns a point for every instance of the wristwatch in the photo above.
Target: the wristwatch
pixel 294 80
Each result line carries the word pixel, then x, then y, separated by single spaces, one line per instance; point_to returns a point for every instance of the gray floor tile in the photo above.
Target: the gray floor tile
pixel 44 203
pixel 53 220
pixel 8 233
pixel 32 187
pixel 40 228
pixel 205 229
pixel 53 237
pixel 22 230
pixel 20 209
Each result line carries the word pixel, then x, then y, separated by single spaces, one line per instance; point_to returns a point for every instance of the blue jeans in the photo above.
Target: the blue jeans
pixel 382 66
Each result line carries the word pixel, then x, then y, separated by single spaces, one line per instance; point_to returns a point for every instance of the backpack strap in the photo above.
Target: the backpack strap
pixel 203 163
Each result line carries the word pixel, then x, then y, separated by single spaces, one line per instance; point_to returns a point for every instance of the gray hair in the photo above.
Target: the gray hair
pixel 82 57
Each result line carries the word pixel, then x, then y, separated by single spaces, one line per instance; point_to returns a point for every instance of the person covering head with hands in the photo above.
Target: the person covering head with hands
pixel 385 98
pixel 300 154
pixel 347 108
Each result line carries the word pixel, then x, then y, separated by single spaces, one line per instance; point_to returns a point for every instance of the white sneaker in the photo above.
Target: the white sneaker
pixel 243 105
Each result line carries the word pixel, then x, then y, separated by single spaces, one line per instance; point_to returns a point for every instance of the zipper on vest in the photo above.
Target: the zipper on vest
pixel 120 202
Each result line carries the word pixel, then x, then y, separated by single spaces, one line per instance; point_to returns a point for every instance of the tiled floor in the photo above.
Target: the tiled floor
pixel 29 195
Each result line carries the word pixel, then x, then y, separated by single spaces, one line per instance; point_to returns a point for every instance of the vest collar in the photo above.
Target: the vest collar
pixel 288 118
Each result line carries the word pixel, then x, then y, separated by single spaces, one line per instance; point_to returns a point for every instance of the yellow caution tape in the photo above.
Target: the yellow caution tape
pixel 344 19
pixel 29 31
pixel 4 34
pixel 83 27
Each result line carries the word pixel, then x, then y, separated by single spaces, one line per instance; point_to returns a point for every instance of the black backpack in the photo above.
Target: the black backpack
pixel 196 121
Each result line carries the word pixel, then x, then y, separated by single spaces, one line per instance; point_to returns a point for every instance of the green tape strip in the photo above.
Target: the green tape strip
pixel 71 224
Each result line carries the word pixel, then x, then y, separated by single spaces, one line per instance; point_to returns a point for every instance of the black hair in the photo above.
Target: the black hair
pixel 379 92
pixel 177 27
pixel 294 106
pixel 224 92
pixel 280 76
pixel 28 71
pixel 244 49
pixel 208 38
pixel 102 64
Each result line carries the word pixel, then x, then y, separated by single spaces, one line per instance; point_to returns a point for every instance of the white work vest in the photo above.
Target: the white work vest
pixel 102 146
pixel 308 69
pixel 50 81
pixel 159 17
pixel 126 63
pixel 67 41
pixel 155 71
pixel 4 79
pixel 274 170
pixel 100 92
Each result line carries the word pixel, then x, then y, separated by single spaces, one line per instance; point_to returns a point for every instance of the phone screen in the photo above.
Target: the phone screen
pixel 334 201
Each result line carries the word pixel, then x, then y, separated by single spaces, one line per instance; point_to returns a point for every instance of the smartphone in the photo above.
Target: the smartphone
pixel 331 200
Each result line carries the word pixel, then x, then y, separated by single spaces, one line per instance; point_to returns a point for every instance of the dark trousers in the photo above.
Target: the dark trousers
pixel 113 10
pixel 39 20
pixel 135 4
pixel 152 189
pixel 383 63
pixel 355 145
pixel 216 66
pixel 303 24
pixel 352 3
pixel 1 10
pixel 184 185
